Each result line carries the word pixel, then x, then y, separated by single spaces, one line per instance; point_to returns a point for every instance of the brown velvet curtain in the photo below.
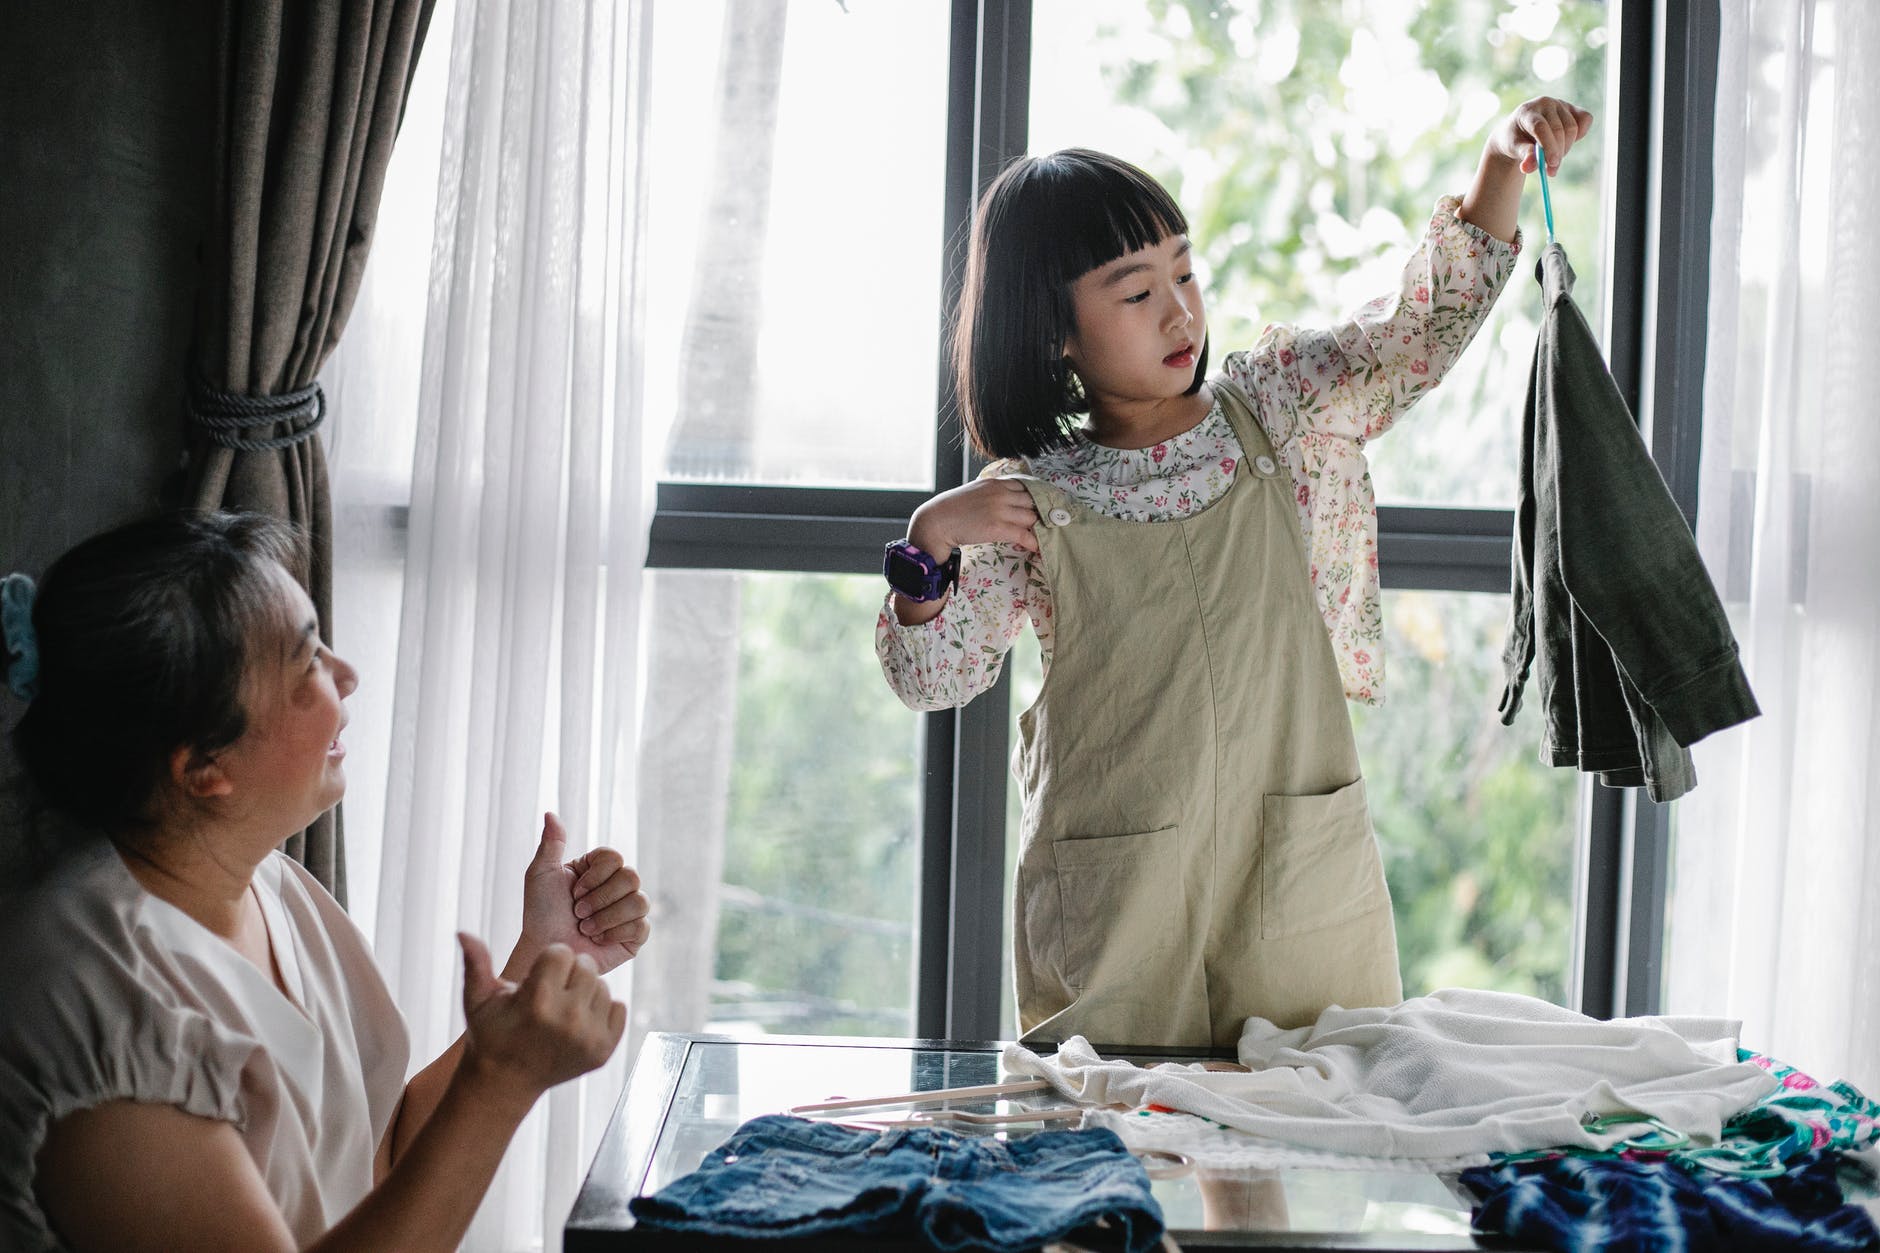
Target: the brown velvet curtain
pixel 311 97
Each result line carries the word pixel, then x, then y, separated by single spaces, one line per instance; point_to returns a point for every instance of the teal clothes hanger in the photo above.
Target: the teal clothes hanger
pixel 1547 199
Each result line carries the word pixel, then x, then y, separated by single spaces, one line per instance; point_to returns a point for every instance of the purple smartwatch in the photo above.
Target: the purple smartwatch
pixel 915 574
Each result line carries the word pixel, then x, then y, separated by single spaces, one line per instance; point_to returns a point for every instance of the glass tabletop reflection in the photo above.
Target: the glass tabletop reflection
pixel 724 1083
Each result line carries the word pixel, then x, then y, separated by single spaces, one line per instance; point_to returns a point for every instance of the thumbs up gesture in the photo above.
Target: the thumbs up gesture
pixel 558 1022
pixel 591 903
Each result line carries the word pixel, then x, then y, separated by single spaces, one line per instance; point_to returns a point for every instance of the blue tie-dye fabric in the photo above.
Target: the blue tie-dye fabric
pixel 1583 1205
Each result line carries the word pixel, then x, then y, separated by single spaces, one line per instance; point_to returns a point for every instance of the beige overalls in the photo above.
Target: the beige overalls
pixel 1196 846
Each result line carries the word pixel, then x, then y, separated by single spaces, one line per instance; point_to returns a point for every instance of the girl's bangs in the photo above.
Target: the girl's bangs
pixel 1107 209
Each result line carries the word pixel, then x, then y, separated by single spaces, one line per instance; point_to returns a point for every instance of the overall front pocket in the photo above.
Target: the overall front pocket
pixel 1119 899
pixel 1319 862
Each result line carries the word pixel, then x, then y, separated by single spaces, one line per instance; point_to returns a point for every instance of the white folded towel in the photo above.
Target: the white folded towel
pixel 1444 1076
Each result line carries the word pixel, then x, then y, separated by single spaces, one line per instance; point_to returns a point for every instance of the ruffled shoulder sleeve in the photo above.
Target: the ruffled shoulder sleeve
pixel 93 1015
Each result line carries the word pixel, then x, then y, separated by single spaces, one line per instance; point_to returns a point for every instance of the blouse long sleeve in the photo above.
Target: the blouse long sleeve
pixel 1321 394
pixel 1352 380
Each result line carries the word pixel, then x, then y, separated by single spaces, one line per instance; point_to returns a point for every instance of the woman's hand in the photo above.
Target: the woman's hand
pixel 591 908
pixel 1556 125
pixel 1493 202
pixel 525 1038
pixel 592 904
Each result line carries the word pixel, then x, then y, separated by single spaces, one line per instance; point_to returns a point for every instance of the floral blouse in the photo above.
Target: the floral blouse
pixel 1319 394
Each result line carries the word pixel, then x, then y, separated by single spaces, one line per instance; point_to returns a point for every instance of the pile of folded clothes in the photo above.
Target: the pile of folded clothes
pixel 1779 1177
pixel 1569 1132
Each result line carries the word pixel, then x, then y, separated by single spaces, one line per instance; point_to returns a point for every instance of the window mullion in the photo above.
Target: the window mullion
pixel 1662 111
pixel 975 946
pixel 1599 915
pixel 1451 550
pixel 1001 54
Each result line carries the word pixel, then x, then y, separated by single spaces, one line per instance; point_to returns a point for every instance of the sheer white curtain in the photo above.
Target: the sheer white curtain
pixel 517 665
pixel 1775 906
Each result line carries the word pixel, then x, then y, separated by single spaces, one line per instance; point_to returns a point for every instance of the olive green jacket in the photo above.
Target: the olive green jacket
pixel 1613 609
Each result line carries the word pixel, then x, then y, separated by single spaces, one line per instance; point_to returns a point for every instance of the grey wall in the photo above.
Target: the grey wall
pixel 106 136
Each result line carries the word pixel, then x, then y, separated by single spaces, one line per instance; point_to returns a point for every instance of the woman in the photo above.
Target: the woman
pixel 197 1050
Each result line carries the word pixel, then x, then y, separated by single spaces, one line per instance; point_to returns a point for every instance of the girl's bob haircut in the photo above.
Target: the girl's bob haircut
pixel 1044 223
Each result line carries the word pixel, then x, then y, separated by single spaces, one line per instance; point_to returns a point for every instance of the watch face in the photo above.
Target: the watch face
pixel 907 575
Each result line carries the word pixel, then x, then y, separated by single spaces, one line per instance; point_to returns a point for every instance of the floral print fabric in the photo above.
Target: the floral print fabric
pixel 1796 1119
pixel 1761 1140
pixel 1319 394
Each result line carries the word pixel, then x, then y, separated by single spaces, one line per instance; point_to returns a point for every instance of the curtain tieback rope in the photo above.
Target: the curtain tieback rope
pixel 222 417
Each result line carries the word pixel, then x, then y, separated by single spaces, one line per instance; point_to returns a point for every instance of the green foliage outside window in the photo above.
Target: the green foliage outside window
pixel 1292 182
pixel 822 834
pixel 1477 834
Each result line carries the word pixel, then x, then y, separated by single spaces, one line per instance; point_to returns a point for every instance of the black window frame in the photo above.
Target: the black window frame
pixel 1661 101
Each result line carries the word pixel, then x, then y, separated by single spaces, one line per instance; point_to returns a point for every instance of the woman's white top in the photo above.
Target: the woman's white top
pixel 108 993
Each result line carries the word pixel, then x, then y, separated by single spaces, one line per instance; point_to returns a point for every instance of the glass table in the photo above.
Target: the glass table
pixel 689 1092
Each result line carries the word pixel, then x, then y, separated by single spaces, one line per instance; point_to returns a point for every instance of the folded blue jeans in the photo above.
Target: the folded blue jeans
pixel 781 1177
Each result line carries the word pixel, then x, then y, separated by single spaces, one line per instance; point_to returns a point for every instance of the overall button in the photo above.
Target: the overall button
pixel 1060 517
pixel 1264 464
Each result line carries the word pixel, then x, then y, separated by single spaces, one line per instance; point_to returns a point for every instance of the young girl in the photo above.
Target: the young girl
pixel 196 1050
pixel 1199 561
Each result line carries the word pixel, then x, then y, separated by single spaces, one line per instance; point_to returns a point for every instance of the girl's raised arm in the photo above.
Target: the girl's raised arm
pixel 1494 199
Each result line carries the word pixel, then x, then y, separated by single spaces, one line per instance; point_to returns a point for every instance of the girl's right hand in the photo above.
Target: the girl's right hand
pixel 525 1038
pixel 985 511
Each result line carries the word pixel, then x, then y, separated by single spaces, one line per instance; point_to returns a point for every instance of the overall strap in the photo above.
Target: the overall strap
pixel 1049 497
pixel 1240 415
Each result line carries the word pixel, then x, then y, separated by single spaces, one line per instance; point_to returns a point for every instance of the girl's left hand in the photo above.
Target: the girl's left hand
pixel 1556 125
pixel 592 904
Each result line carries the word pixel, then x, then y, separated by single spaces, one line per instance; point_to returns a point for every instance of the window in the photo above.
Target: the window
pixel 795 289
pixel 862 850
pixel 1478 836
pixel 798 790
pixel 1326 129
